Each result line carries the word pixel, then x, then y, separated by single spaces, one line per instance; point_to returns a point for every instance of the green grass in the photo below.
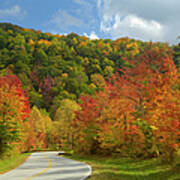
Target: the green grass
pixel 116 168
pixel 12 162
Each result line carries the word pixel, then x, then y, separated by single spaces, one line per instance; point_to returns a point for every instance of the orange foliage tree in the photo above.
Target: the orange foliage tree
pixel 14 110
pixel 137 114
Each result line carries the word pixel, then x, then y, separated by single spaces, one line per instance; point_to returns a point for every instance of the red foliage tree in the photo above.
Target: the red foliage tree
pixel 14 110
pixel 46 90
pixel 137 114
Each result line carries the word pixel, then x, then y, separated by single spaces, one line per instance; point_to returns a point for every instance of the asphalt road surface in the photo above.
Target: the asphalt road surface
pixel 48 166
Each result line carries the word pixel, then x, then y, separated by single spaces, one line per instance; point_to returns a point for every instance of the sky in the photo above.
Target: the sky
pixel 147 20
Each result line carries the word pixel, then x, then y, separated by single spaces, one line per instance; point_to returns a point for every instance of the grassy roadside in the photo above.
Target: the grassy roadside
pixel 115 168
pixel 12 162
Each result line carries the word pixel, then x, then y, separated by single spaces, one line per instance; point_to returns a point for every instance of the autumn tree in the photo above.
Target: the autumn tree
pixel 14 109
pixel 42 125
pixel 98 80
pixel 63 119
pixel 137 114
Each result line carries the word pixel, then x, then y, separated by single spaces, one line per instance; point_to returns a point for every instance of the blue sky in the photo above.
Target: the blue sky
pixel 156 20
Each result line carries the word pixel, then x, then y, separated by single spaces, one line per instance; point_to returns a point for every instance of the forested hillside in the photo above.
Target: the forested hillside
pixel 62 74
pixel 55 67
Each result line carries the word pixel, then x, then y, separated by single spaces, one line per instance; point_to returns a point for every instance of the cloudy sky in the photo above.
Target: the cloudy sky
pixel 156 20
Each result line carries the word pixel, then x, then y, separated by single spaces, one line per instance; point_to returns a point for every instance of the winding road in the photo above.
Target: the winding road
pixel 48 166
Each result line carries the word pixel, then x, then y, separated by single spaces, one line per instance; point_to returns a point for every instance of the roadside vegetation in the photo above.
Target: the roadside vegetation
pixel 11 162
pixel 118 168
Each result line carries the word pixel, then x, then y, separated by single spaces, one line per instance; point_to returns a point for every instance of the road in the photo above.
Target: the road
pixel 48 166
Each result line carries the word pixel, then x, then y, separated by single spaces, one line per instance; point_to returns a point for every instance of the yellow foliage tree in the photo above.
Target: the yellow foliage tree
pixel 42 127
pixel 63 118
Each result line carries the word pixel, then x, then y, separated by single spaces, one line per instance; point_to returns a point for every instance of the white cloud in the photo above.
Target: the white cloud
pixel 14 11
pixel 133 26
pixel 63 20
pixel 92 35
pixel 146 20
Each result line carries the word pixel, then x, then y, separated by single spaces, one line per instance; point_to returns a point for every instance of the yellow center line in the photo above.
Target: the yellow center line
pixel 43 171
